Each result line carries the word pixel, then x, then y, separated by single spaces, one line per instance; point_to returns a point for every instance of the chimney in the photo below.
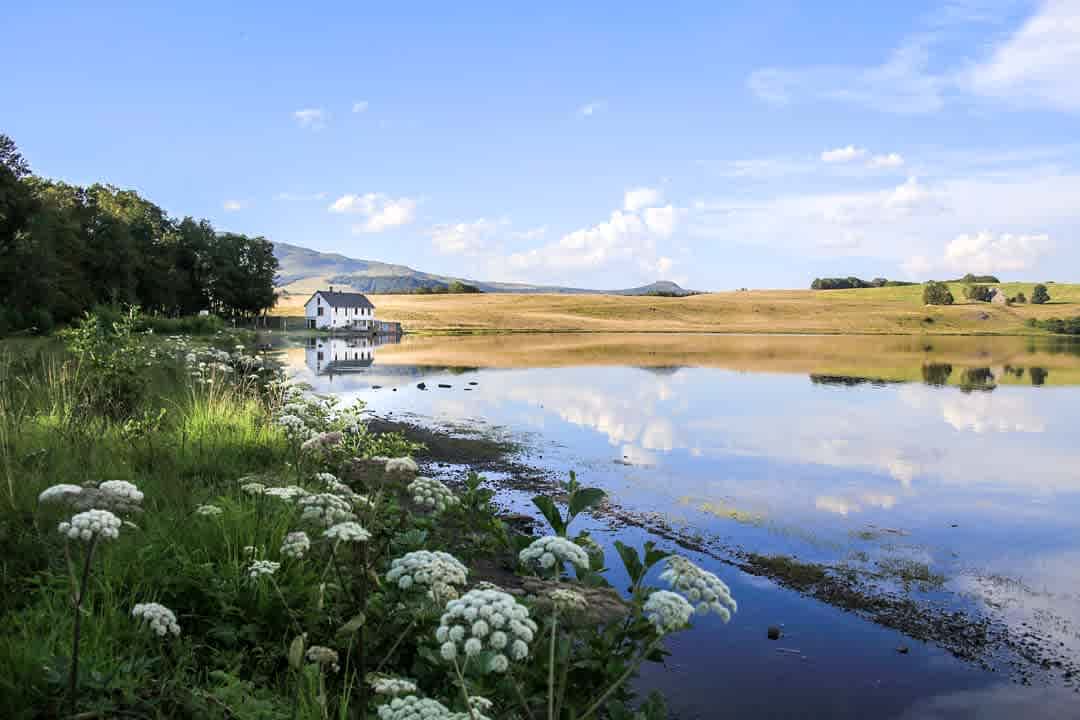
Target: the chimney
pixel 331 288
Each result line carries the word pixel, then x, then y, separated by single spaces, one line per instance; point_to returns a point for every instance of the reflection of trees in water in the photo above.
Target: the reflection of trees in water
pixel 1038 375
pixel 851 380
pixel 936 373
pixel 665 370
pixel 972 379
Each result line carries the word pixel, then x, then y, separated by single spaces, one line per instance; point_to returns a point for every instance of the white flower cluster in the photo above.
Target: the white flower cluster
pixel 287 493
pixel 295 545
pixel 568 600
pixel 121 492
pixel 115 495
pixel 91 524
pixel 160 619
pixel 59 493
pixel 388 685
pixel 295 428
pixel 547 551
pixel 437 572
pixel 412 707
pixel 701 587
pixel 253 488
pixel 260 568
pixel 324 656
pixel 322 441
pixel 432 494
pixel 668 611
pixel 486 620
pixel 336 487
pixel 401 466
pixel 325 509
pixel 208 510
pixel 348 532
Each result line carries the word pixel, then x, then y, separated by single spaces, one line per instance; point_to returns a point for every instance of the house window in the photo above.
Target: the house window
pixel 319 311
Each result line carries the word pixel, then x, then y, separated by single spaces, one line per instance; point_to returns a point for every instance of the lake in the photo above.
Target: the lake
pixel 939 476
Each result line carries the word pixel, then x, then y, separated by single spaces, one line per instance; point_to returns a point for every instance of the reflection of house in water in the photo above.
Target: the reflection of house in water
pixel 342 355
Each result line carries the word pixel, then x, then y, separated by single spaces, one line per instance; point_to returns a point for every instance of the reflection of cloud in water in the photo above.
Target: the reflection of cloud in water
pixel 847 505
pixel 977 412
pixel 1001 702
pixel 634 455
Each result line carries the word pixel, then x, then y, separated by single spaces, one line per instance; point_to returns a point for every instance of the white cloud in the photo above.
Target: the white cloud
pixel 311 118
pixel 381 211
pixel 360 106
pixel 1039 63
pixel 590 109
pixel 903 84
pixel 890 160
pixel 536 233
pixel 985 252
pixel 467 238
pixel 640 198
pixel 842 154
pixel 233 205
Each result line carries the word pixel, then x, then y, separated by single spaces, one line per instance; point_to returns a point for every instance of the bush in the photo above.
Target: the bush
pixel 1040 295
pixel 979 293
pixel 937 293
pixel 1019 298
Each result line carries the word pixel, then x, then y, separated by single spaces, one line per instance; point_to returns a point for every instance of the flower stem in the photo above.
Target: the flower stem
pixel 622 678
pixel 551 661
pixel 73 674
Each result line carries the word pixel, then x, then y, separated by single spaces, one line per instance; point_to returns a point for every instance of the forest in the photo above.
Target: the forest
pixel 65 249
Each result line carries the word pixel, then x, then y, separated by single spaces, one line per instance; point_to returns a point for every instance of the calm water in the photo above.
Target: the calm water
pixel 959 457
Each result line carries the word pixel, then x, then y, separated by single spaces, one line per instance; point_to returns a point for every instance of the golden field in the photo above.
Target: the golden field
pixel 892 310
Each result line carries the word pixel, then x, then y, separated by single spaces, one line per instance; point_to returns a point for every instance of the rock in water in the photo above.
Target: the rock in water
pixel 774 632
pixel 421 386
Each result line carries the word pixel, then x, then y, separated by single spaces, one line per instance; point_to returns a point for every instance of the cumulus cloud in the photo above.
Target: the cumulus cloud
pixel 536 233
pixel 360 106
pixel 641 198
pixel 1038 64
pixel 842 154
pixel 465 238
pixel 985 252
pixel 311 118
pixel 890 160
pixel 233 205
pixel 380 211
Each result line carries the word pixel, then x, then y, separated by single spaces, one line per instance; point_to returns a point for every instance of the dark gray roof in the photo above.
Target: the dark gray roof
pixel 344 299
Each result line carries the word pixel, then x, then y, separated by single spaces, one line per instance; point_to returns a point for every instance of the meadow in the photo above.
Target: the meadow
pixel 886 310
pixel 186 533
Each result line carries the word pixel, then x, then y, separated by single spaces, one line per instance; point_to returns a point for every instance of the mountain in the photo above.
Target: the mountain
pixel 303 270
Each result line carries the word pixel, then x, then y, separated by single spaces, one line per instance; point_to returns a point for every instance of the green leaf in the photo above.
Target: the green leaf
pixel 630 561
pixel 585 498
pixel 296 651
pixel 652 555
pixel 551 512
pixel 353 625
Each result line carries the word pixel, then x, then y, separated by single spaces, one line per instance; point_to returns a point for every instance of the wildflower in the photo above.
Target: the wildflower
pixel 260 568
pixel 701 587
pixel 486 620
pixel 431 493
pixel 295 428
pixel 436 571
pixel 118 495
pixel 402 465
pixel 208 510
pixel 568 600
pixel 295 545
pixel 250 551
pixel 668 611
pixel 326 478
pixel 325 509
pixel 412 707
pixel 348 532
pixel 59 493
pixel 322 441
pixel 288 493
pixel 159 618
pixel 323 656
pixel 547 551
pixel 479 703
pixel 91 525
pixel 387 685
pixel 253 488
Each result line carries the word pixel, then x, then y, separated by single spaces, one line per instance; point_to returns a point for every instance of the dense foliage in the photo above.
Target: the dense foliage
pixel 849 283
pixel 185 533
pixel 1040 295
pixel 972 279
pixel 65 249
pixel 937 293
pixel 980 293
pixel 1066 326
pixel 454 287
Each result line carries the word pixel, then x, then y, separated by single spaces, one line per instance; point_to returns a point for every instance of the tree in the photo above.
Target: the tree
pixel 937 293
pixel 1040 295
pixel 980 293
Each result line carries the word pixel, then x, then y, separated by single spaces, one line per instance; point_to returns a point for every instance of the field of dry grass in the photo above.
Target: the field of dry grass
pixel 870 311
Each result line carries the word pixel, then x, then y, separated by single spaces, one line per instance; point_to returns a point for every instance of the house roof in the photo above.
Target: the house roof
pixel 343 299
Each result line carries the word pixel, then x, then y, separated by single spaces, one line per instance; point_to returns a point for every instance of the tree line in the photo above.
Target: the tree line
pixel 65 249
pixel 850 283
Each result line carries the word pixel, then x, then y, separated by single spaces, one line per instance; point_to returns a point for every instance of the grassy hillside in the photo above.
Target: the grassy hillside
pixel 889 310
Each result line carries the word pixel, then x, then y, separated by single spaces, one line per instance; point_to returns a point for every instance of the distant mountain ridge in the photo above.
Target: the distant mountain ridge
pixel 302 269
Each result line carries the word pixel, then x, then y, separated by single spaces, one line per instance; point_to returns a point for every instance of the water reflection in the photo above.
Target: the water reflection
pixel 342 355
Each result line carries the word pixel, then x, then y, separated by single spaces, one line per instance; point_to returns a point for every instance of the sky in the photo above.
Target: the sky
pixel 717 144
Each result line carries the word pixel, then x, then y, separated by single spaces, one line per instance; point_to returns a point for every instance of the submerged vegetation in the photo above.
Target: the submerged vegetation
pixel 186 533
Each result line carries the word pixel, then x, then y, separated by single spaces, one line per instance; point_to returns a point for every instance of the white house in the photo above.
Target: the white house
pixel 344 310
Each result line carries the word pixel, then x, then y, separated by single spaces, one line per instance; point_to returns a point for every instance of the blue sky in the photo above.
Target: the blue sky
pixel 717 144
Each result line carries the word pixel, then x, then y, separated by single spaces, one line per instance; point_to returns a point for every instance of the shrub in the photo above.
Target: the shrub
pixel 1040 295
pixel 1019 298
pixel 979 293
pixel 937 293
